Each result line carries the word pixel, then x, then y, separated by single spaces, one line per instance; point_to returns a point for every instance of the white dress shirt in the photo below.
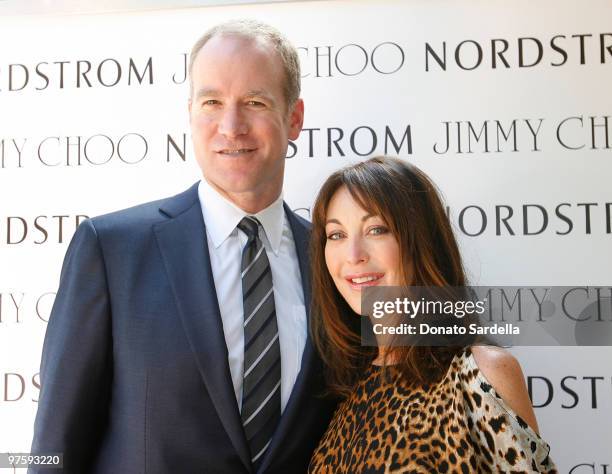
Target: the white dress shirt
pixel 225 244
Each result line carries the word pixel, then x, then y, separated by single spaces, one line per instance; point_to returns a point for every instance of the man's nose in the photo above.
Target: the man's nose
pixel 357 251
pixel 233 123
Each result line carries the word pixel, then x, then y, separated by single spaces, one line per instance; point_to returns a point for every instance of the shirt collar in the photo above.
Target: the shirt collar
pixel 222 216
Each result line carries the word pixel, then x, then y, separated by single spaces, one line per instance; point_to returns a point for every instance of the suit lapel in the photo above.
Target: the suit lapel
pixel 301 389
pixel 184 249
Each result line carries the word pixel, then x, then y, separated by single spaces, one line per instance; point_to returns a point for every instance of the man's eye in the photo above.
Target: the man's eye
pixel 255 103
pixel 210 102
pixel 378 230
pixel 334 236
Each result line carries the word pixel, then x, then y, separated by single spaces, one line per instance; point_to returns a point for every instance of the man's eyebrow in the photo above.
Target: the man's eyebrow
pixel 208 92
pixel 260 93
pixel 256 92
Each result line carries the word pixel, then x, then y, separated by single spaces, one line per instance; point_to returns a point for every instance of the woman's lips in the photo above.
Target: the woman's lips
pixel 358 281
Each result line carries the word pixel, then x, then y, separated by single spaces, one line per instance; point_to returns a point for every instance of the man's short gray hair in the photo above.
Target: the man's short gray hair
pixel 256 30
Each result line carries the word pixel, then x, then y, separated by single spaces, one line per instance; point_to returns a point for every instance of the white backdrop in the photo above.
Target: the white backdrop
pixel 93 118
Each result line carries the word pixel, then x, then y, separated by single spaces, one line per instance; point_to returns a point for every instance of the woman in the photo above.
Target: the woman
pixel 406 409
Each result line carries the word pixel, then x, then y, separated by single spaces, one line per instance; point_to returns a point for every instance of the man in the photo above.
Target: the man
pixel 178 335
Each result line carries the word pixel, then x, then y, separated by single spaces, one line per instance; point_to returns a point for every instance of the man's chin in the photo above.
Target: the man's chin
pixel 246 191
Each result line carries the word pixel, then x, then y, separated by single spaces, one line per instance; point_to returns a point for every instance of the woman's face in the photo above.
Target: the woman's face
pixel 360 250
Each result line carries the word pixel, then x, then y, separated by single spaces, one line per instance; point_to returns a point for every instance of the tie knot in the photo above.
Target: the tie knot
pixel 249 225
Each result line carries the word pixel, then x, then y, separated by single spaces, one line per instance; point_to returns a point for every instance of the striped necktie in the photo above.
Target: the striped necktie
pixel 261 384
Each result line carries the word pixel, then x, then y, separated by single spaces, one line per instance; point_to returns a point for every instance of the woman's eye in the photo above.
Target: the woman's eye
pixel 378 230
pixel 334 236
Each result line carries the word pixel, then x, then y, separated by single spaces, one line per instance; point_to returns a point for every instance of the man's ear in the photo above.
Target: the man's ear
pixel 296 119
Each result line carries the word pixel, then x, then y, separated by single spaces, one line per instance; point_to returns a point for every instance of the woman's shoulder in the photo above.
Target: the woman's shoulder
pixel 498 407
pixel 502 371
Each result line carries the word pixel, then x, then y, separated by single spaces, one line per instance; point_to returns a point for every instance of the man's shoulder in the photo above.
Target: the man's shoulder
pixel 295 218
pixel 146 214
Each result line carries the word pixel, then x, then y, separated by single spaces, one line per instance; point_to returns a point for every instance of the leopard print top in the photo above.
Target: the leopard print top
pixel 458 425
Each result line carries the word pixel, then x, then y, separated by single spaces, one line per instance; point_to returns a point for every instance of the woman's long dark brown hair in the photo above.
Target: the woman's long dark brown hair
pixel 409 203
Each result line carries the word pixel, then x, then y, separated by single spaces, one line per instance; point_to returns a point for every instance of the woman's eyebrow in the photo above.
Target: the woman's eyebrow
pixel 332 221
pixel 336 221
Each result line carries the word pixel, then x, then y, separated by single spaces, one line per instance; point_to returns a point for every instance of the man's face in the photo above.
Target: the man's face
pixel 239 120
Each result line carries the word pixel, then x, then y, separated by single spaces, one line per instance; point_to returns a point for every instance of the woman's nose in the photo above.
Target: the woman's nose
pixel 356 252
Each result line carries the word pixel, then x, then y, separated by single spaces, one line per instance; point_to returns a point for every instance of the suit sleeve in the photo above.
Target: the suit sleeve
pixel 76 367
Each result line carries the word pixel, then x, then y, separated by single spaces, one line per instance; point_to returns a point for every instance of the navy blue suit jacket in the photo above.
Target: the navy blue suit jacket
pixel 135 375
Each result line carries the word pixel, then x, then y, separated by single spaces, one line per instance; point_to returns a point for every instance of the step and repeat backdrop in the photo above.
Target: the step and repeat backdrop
pixel 506 105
